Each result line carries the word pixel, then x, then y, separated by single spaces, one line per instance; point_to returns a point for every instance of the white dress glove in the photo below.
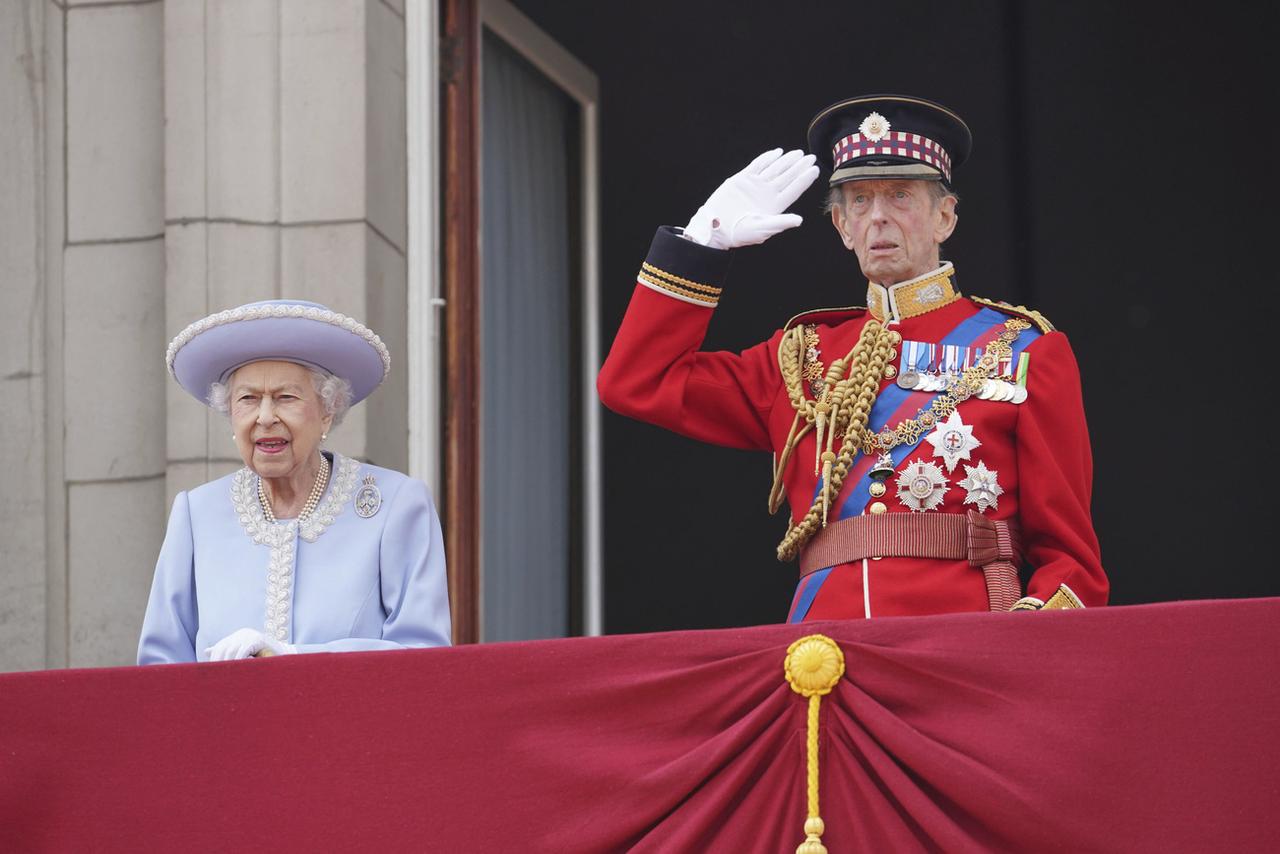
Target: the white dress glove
pixel 748 207
pixel 243 643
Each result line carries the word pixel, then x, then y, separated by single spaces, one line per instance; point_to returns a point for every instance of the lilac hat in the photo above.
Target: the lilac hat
pixel 307 333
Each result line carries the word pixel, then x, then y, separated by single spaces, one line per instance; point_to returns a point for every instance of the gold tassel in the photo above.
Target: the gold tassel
pixel 813 666
pixel 827 459
pixel 820 422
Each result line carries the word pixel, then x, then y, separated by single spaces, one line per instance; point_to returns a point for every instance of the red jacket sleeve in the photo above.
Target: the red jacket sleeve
pixel 655 372
pixel 1055 473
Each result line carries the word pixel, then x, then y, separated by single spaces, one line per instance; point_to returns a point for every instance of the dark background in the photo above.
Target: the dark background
pixel 1122 182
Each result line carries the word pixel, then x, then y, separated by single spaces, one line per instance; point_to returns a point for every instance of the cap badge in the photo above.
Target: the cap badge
pixel 874 127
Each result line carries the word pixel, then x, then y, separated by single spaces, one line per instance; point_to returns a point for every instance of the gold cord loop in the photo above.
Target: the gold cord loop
pixel 849 390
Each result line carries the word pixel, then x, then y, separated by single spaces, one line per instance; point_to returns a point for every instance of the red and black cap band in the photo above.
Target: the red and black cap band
pixel 889 136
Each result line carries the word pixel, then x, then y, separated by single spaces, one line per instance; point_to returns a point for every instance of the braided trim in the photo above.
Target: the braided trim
pixel 678 292
pixel 1042 323
pixel 265 312
pixel 816 313
pixel 676 280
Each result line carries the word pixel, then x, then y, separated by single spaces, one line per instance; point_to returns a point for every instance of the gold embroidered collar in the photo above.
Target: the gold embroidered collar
pixel 914 296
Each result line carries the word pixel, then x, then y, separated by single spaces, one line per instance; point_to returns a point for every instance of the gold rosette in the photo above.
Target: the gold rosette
pixel 814 665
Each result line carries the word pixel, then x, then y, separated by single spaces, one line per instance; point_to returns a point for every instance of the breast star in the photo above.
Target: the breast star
pixel 981 487
pixel 953 440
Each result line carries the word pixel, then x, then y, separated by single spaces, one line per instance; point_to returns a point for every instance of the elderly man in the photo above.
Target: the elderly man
pixel 932 447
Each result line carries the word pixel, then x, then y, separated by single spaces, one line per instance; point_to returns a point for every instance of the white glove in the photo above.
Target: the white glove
pixel 243 643
pixel 748 207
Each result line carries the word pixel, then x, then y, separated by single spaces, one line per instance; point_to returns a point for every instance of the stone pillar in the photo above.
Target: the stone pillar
pixel 22 365
pixel 105 315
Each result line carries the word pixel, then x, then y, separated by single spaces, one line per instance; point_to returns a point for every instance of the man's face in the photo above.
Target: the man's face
pixel 894 227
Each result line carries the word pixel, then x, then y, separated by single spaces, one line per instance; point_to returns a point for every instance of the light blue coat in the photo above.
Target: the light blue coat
pixel 338 581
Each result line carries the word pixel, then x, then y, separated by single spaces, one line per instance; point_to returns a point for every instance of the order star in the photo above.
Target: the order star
pixel 953 440
pixel 981 487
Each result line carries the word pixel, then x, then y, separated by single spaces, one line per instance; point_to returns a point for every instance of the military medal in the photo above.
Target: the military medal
pixel 1020 389
pixel 981 487
pixel 368 499
pixel 929 378
pixel 911 351
pixel 953 440
pixel 921 486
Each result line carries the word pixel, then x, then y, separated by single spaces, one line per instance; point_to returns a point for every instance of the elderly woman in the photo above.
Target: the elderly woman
pixel 302 550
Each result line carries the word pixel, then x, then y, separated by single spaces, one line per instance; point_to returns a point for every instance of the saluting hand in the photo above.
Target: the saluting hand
pixel 748 207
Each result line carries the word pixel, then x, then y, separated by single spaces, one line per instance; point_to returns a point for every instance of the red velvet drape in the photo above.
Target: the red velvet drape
pixel 1122 729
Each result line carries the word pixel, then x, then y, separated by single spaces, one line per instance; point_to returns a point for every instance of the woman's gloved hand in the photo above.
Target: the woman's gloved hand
pixel 244 643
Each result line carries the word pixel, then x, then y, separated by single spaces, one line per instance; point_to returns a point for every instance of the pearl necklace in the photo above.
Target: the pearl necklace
pixel 317 490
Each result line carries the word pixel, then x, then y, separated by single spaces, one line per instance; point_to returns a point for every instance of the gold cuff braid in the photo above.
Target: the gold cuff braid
pixel 1063 599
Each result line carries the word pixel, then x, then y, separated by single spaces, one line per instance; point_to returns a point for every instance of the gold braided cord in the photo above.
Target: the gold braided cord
pixel 811 745
pixel 676 289
pixel 676 280
pixel 856 393
pixel 776 492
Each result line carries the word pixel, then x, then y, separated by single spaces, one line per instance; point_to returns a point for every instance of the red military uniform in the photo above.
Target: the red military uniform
pixel 1027 463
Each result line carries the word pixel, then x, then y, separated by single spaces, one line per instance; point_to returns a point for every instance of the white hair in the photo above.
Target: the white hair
pixel 334 392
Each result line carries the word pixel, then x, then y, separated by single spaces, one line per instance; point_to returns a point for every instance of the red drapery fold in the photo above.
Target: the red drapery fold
pixel 1122 729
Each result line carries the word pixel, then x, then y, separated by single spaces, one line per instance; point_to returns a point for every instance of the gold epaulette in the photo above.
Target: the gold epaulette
pixel 826 315
pixel 1042 323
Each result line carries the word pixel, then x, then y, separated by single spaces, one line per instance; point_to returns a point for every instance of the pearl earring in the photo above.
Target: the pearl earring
pixel 324 436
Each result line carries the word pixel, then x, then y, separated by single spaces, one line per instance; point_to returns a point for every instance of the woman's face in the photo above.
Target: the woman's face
pixel 277 416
